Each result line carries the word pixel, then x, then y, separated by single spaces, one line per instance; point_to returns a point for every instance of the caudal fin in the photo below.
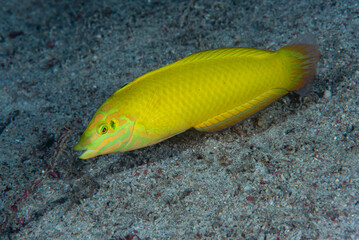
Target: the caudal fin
pixel 304 51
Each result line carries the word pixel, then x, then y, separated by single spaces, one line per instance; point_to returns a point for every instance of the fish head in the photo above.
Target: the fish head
pixel 109 131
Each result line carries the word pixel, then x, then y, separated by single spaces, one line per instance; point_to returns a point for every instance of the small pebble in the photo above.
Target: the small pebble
pixel 327 94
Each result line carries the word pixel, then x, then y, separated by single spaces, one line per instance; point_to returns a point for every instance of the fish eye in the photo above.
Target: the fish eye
pixel 103 129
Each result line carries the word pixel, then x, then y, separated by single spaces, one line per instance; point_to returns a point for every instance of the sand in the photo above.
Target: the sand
pixel 289 172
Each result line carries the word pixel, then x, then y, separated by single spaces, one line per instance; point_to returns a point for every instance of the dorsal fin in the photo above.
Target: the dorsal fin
pixel 219 53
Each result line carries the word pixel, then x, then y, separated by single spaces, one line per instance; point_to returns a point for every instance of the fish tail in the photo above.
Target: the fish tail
pixel 304 55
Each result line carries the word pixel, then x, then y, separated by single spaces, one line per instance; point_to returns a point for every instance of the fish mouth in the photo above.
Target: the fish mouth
pixel 79 147
pixel 87 152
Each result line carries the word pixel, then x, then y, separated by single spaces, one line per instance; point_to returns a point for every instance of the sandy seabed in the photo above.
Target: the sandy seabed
pixel 289 172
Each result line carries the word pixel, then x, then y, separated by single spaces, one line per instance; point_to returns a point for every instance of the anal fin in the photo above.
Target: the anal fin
pixel 241 112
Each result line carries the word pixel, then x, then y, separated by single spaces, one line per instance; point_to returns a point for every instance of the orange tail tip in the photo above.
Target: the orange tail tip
pixel 306 61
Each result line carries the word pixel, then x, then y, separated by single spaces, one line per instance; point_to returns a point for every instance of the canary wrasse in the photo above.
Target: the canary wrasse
pixel 208 91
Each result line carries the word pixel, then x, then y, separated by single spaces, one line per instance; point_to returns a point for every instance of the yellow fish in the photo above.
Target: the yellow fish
pixel 208 91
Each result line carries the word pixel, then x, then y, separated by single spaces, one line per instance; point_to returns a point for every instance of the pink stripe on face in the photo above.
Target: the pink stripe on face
pixel 106 107
pixel 114 115
pixel 97 118
pixel 110 139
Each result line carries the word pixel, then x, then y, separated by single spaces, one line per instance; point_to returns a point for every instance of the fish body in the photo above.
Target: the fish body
pixel 208 91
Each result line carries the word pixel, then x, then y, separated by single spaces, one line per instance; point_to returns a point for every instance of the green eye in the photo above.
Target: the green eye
pixel 103 129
